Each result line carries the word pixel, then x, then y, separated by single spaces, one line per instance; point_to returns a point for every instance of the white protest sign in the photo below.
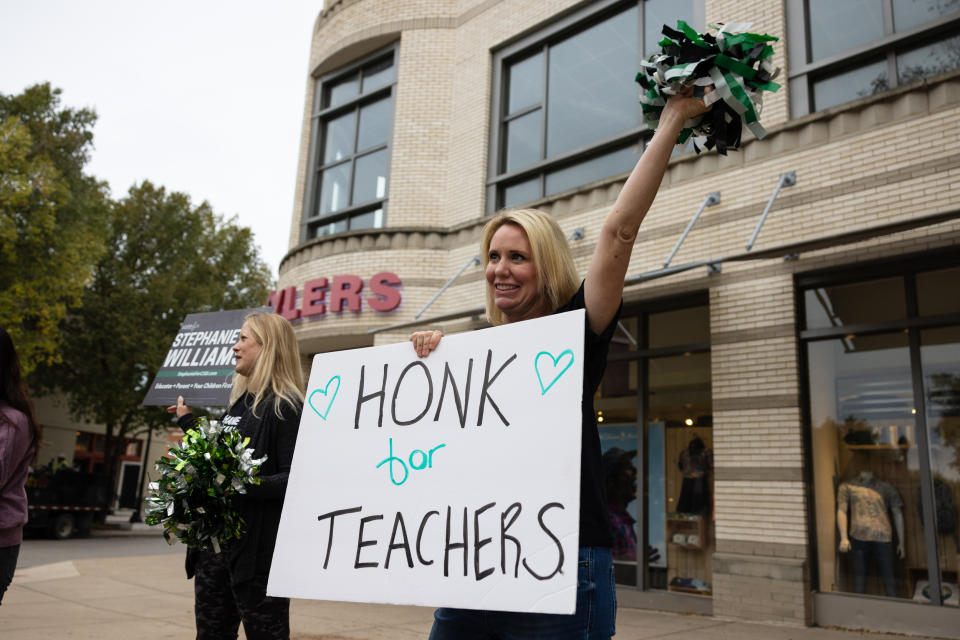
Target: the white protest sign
pixel 452 480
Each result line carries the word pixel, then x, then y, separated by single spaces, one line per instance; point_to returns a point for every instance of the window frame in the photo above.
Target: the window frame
pixel 907 268
pixel 319 116
pixel 803 74
pixel 636 575
pixel 529 43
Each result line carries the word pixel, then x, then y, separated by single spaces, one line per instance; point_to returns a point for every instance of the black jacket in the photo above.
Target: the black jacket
pixel 274 437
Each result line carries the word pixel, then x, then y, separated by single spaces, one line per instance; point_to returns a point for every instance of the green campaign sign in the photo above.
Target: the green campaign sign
pixel 199 363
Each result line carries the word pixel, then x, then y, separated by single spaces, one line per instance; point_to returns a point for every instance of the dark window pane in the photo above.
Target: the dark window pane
pixel 657 13
pixel 938 292
pixel 523 140
pixel 368 220
pixel 335 185
pixel 928 60
pixel 851 85
pixel 910 13
pixel 599 61
pixel 683 326
pixel 679 388
pixel 680 438
pixel 370 182
pixel 836 27
pixel 940 354
pixel 84 441
pixel 604 166
pixel 378 74
pixel 521 193
pixel 374 124
pixel 525 86
pixel 338 138
pixel 317 97
pixel 329 228
pixel 858 303
pixel 343 90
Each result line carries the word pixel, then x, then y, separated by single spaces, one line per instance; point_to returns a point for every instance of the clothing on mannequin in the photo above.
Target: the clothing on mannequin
pixel 868 531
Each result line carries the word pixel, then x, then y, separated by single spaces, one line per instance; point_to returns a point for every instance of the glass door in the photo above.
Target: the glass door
pixel 654 412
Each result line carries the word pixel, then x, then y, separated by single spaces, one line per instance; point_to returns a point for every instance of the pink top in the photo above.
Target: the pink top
pixel 16 450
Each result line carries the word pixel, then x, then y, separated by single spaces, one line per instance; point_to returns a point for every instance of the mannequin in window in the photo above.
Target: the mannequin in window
pixel 695 461
pixel 867 534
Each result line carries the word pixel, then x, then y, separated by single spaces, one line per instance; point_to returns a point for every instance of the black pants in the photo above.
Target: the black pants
pixel 694 496
pixel 8 565
pixel 220 607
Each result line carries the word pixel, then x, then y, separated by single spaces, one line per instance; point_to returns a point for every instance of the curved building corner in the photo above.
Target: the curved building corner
pixel 790 338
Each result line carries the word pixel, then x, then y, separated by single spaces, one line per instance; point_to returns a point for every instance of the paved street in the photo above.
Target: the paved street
pixel 104 543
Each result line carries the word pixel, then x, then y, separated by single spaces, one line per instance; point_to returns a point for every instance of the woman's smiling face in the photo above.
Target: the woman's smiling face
pixel 512 275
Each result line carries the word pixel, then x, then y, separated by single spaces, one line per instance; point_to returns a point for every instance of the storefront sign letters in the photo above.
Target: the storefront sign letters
pixel 321 296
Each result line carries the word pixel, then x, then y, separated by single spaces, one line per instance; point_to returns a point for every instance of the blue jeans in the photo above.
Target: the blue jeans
pixel 594 619
pixel 864 555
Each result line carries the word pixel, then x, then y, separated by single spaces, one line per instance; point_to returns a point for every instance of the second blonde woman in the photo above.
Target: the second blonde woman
pixel 265 406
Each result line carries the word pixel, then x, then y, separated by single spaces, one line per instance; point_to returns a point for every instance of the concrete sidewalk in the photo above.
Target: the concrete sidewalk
pixel 148 597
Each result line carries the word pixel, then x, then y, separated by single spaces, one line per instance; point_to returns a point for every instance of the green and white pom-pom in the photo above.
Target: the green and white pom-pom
pixel 736 63
pixel 194 497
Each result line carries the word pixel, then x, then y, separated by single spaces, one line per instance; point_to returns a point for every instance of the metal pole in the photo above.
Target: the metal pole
pixel 711 199
pixel 630 337
pixel 135 516
pixel 786 180
pixel 474 260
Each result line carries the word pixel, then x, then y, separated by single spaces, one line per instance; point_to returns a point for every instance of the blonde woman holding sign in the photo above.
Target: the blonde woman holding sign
pixel 265 406
pixel 530 273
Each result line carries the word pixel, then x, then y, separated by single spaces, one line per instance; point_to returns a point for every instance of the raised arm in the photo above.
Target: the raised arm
pixel 608 266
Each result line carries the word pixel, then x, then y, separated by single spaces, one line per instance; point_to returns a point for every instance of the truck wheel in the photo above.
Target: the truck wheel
pixel 62 526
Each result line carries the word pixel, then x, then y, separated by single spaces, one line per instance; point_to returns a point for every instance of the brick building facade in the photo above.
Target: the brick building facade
pixel 411 138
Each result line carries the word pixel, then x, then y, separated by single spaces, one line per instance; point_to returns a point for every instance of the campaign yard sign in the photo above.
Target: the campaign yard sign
pixel 452 480
pixel 199 363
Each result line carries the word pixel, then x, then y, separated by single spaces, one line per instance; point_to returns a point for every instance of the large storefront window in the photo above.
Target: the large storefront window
pixel 841 51
pixel 352 127
pixel 883 369
pixel 655 415
pixel 565 116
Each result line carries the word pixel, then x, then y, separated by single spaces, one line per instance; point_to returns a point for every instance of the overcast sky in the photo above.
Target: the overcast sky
pixel 204 97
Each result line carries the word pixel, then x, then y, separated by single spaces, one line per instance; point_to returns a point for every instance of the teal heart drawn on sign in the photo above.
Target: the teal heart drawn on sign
pixel 556 364
pixel 325 391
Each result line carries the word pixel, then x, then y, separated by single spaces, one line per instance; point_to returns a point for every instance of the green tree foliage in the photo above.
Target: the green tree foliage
pixel 165 258
pixel 53 218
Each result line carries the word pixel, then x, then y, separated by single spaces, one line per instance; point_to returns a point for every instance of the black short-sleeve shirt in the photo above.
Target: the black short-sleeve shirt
pixel 594 517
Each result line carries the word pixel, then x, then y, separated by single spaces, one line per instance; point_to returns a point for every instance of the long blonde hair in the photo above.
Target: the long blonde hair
pixel 277 369
pixel 557 278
